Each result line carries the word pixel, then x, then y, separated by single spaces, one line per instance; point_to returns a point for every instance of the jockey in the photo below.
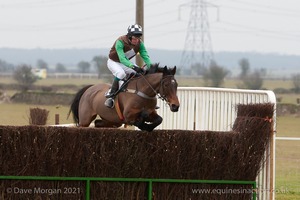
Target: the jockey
pixel 125 48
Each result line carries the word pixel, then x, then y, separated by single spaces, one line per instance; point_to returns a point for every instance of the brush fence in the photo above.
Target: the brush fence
pixel 214 109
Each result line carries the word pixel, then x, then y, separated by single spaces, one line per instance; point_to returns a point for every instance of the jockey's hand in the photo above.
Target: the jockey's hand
pixel 138 69
pixel 145 68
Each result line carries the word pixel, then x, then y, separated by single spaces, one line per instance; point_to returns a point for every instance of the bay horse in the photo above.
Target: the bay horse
pixel 135 105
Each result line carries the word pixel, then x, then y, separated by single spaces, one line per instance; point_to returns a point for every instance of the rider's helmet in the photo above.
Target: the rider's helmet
pixel 134 30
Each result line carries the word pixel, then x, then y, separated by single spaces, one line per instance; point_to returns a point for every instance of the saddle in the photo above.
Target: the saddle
pixel 110 98
pixel 110 101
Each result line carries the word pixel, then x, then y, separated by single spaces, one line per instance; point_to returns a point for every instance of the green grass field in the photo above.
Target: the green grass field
pixel 18 114
pixel 287 152
pixel 288 159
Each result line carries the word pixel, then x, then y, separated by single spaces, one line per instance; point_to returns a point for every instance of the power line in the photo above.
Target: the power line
pixel 268 7
pixel 43 3
pixel 262 11
pixel 262 32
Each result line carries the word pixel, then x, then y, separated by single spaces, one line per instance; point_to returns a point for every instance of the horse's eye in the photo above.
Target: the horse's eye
pixel 166 85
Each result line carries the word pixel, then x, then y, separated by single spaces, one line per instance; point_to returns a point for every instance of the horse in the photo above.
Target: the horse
pixel 135 104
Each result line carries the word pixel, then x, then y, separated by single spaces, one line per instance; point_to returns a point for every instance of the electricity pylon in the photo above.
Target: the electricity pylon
pixel 198 48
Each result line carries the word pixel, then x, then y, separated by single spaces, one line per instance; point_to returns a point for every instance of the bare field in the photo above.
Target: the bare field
pixel 18 114
pixel 182 81
pixel 57 81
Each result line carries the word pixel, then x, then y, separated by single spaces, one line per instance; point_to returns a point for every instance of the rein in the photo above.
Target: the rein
pixel 141 94
pixel 156 93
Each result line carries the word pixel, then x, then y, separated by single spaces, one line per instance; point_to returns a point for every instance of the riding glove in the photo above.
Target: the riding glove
pixel 137 69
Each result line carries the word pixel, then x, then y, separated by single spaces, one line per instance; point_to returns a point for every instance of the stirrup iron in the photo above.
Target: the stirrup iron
pixel 109 103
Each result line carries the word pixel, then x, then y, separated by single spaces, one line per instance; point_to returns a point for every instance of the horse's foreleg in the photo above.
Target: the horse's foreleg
pixel 140 121
pixel 153 118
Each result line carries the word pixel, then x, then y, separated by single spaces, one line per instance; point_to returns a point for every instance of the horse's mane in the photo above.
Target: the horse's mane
pixel 155 68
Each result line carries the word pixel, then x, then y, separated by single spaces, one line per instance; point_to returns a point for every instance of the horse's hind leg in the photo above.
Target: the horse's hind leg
pixel 85 121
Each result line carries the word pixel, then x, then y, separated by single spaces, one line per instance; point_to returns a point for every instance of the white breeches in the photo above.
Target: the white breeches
pixel 118 69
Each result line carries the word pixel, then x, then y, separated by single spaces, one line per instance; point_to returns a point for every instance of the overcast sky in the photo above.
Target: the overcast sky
pixel 268 26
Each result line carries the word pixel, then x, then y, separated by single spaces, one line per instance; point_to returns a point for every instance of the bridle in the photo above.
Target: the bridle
pixel 159 94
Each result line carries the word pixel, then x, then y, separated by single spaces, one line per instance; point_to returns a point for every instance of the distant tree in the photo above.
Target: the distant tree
pixel 296 82
pixel 198 69
pixel 84 66
pixel 184 70
pixel 60 68
pixel 245 67
pixel 24 76
pixel 263 72
pixel 253 80
pixel 5 67
pixel 215 75
pixel 250 80
pixel 41 64
pixel 100 63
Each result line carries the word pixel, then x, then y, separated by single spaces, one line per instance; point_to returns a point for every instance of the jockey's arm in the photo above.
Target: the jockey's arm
pixel 144 55
pixel 123 59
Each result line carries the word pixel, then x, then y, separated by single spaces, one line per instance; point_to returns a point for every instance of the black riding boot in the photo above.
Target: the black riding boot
pixel 111 94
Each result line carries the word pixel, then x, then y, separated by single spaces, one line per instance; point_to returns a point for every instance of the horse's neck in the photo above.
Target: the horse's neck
pixel 146 83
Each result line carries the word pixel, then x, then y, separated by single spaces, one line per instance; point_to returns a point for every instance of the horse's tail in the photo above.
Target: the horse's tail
pixel 75 104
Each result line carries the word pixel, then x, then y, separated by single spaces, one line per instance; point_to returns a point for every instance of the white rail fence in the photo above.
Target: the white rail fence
pixel 204 108
pixel 288 138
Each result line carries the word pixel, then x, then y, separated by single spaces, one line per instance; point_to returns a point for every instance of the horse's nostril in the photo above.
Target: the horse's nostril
pixel 174 108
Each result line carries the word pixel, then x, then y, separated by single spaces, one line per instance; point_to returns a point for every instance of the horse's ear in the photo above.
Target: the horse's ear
pixel 165 70
pixel 173 71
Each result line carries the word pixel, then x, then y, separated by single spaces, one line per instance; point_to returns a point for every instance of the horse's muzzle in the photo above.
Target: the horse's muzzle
pixel 174 108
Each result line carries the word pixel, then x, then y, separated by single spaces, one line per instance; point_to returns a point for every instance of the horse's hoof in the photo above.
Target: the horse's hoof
pixel 109 103
pixel 98 122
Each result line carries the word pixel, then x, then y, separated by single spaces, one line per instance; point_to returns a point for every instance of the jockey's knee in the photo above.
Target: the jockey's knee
pixel 121 75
